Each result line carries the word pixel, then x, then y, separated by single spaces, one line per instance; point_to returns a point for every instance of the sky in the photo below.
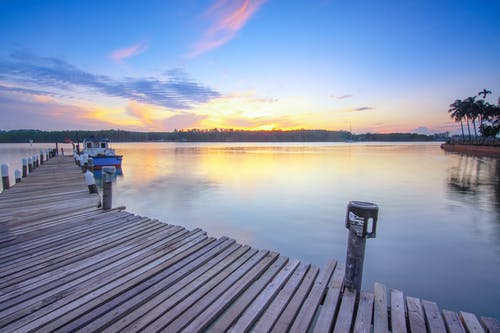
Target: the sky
pixel 364 66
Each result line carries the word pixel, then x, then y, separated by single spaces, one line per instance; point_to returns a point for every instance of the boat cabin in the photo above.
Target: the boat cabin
pixel 97 147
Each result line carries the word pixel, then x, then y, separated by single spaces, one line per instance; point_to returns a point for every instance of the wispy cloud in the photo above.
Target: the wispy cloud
pixel 178 91
pixel 363 108
pixel 341 96
pixel 120 55
pixel 228 17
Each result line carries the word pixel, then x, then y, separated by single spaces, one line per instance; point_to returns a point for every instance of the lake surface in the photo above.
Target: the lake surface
pixel 438 236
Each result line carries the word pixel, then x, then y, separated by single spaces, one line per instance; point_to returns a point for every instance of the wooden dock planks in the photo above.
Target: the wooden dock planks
pixel 66 265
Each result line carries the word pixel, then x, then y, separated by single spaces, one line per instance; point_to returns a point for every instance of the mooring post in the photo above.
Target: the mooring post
pixel 17 174
pixel 41 156
pixel 25 167
pixel 90 181
pixel 107 189
pixel 36 160
pixel 47 154
pixel 361 220
pixel 30 165
pixel 5 176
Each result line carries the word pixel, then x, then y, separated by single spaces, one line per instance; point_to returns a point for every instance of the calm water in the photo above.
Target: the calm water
pixel 438 236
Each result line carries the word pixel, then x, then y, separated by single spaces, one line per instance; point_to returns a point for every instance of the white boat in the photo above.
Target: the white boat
pixel 101 153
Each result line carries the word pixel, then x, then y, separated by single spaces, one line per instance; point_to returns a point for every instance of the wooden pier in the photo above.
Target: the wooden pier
pixel 67 265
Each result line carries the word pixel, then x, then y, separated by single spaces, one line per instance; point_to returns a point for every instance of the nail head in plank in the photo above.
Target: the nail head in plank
pixel 363 323
pixel 380 311
pixel 471 323
pixel 435 321
pixel 491 324
pixel 398 318
pixel 415 315
pixel 346 312
pixel 452 321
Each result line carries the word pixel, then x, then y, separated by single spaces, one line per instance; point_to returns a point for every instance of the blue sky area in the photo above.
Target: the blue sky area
pixel 378 66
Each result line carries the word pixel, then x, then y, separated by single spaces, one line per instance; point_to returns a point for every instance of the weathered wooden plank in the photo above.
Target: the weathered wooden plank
pixel 398 318
pixel 251 314
pixel 452 322
pixel 470 322
pixel 148 311
pixel 364 315
pixel 435 322
pixel 491 325
pixel 310 306
pixel 346 312
pixel 331 304
pixel 380 309
pixel 92 266
pixel 288 315
pixel 415 315
pixel 42 310
pixel 274 310
pixel 152 320
pixel 239 277
pixel 100 246
pixel 223 280
pixel 236 308
pixel 102 308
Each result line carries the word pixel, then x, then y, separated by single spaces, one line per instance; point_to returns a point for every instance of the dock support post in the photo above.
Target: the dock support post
pixel 30 165
pixel 41 156
pixel 107 189
pixel 5 176
pixel 361 220
pixel 25 167
pixel 90 181
pixel 17 174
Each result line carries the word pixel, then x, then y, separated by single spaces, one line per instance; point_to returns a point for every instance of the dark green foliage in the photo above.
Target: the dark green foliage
pixel 212 135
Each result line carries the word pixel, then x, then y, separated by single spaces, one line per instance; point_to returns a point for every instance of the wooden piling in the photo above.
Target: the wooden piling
pixel 5 176
pixel 17 175
pixel 30 165
pixel 359 216
pixel 107 187
pixel 90 181
pixel 25 167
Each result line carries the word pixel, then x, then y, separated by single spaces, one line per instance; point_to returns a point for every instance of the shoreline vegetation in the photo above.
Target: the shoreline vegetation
pixel 214 135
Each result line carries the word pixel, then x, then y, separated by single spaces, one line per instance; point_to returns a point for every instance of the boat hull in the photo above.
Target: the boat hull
pixel 101 161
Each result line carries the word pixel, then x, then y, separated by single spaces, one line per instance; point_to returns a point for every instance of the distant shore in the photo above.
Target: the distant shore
pixel 489 151
pixel 214 135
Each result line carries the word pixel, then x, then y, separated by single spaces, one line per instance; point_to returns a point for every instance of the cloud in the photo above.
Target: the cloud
pixel 341 96
pixel 363 108
pixel 23 90
pixel 120 55
pixel 183 121
pixel 21 110
pixel 177 92
pixel 422 130
pixel 228 17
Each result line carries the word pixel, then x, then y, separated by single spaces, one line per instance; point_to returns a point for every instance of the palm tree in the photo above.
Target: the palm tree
pixel 481 110
pixel 484 92
pixel 471 112
pixel 457 114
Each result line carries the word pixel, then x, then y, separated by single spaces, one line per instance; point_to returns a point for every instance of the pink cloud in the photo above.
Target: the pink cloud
pixel 120 55
pixel 228 18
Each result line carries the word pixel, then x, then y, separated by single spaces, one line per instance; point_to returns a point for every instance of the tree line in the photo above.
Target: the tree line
pixel 212 135
pixel 472 110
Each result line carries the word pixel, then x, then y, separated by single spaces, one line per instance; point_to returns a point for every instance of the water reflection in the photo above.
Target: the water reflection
pixel 475 180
